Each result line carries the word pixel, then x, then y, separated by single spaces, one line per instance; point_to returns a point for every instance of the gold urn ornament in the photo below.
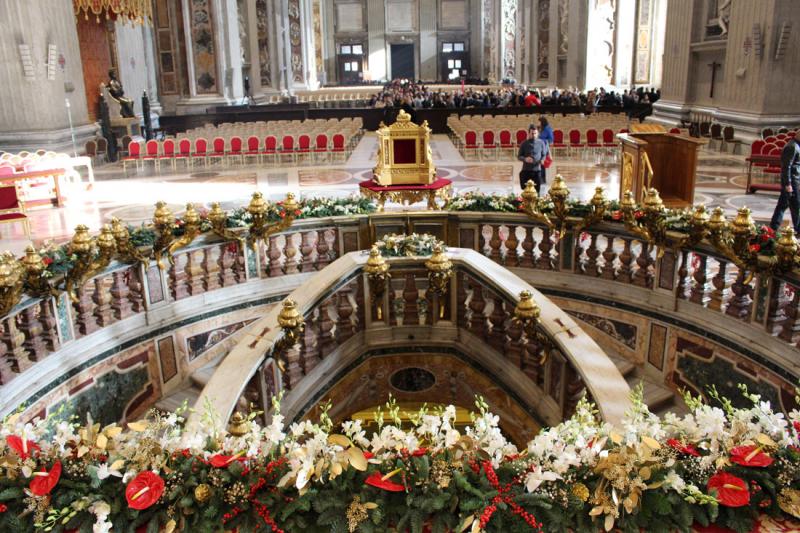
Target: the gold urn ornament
pixel 786 249
pixel 440 270
pixel 238 426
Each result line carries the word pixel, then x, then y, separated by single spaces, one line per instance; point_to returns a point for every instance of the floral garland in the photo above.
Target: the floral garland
pixel 718 464
pixel 402 245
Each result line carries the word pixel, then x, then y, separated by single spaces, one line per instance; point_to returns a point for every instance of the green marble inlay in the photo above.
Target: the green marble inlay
pixel 107 398
pixel 62 310
pixel 566 244
pixel 721 373
pixel 762 290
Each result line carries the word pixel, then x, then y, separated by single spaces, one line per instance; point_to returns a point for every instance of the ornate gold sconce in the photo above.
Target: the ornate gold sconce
pixel 219 221
pixel 526 314
pixel 10 282
pixel 125 249
pixel 92 256
pixel 558 194
pixel 597 209
pixel 165 226
pixel 34 267
pixel 651 226
pixel 786 250
pixel 733 239
pixel 292 323
pixel 260 227
pixel 530 203
pixel 440 270
pixel 378 276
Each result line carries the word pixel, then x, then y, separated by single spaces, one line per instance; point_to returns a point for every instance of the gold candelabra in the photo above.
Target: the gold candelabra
pixel 165 225
pixel 260 227
pixel 92 255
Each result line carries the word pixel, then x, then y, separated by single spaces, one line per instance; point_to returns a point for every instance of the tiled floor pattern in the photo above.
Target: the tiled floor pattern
pixel 721 180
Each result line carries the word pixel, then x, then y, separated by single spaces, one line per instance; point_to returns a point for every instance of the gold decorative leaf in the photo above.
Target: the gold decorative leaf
pixel 357 459
pixel 170 526
pixel 83 450
pixel 466 523
pixel 339 440
pixel 112 431
pixel 116 465
pixel 137 426
pixel 101 442
pixel 766 440
pixel 651 442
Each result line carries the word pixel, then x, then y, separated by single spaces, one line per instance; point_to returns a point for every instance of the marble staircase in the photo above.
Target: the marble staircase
pixel 660 398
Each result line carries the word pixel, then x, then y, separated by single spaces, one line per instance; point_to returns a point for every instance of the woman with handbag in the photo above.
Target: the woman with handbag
pixel 546 134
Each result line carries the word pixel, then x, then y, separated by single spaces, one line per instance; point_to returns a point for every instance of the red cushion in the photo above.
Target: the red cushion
pixel 13 216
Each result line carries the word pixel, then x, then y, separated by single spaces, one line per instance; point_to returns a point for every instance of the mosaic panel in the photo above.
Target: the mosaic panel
pixel 622 332
pixel 154 288
pixel 295 41
pixel 64 323
pixel 166 354
pixel 197 345
pixel 643 41
pixel 203 51
pixel 658 343
pixel 543 41
pixel 666 279
pixel 262 30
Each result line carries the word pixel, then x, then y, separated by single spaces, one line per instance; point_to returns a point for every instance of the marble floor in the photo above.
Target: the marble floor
pixel 130 196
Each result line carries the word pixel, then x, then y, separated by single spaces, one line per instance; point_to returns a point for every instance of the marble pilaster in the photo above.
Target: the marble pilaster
pixel 376 35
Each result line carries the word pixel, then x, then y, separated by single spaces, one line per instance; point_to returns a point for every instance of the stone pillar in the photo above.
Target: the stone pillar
pixel 600 46
pixel 230 45
pixel 476 39
pixel 428 52
pixel 577 30
pixel 34 113
pixel 626 31
pixel 137 65
pixel 376 36
pixel 329 48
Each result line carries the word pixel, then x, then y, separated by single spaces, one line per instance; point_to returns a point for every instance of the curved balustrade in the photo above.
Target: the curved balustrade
pixel 44 338
pixel 481 298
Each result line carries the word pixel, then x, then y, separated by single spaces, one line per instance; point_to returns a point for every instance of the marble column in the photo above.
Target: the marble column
pixel 137 65
pixel 476 38
pixel 33 113
pixel 428 53
pixel 376 38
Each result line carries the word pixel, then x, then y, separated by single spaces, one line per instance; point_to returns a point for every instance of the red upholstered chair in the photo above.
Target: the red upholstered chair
pixel 470 143
pixel 773 170
pixel 521 136
pixel 167 153
pixel 321 147
pixel 575 140
pixel 303 147
pixel 339 146
pixel 200 150
pixel 608 138
pixel 217 150
pixel 253 151
pixel 558 141
pixel 675 130
pixel 134 155
pixel 271 148
pixel 623 130
pixel 236 150
pixel 151 153
pixel 287 148
pixel 592 141
pixel 506 144
pixel 12 208
pixel 184 152
pixel 489 145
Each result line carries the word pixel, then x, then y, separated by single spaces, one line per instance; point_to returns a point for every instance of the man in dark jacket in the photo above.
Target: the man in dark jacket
pixel 532 152
pixel 790 181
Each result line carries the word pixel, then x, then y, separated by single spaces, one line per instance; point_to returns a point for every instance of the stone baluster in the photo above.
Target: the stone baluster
pixel 461 300
pixel 625 273
pixel 83 312
pixel 179 285
pixel 194 272
pixel 580 258
pixel 528 244
pixel 361 309
pixel 102 300
pixel 120 292
pixel 327 343
pixel 497 336
pixel 333 245
pixel 344 311
pixel 307 250
pixel 310 345
pixel 778 302
pixel 477 307
pixel 574 389
pixel 515 345
pixel 718 282
pixel 699 292
pixel 494 245
pixel 49 322
pixel 411 309
pixel 7 372
pixel 394 302
pixel 592 266
pixel 609 255
pixel 545 261
pixel 290 251
pixel 323 249
pixel 512 257
pixel 643 276
pixel 226 261
pixel 14 341
pixel 531 355
pixel 294 367
pixel 741 302
pixel 136 288
pixel 274 253
pixel 30 326
pixel 791 327
pixel 210 267
pixel 684 285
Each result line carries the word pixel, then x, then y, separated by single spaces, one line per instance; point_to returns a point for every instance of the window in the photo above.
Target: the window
pixel 347 67
pixel 458 47
pixel 447 47
pixel 354 66
pixel 358 49
pixel 346 49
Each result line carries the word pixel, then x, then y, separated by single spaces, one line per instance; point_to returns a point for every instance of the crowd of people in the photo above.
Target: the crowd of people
pixel 407 94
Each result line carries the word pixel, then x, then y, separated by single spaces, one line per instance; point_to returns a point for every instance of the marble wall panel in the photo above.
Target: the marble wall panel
pixel 203 47
pixel 166 355
pixel 296 41
pixel 263 19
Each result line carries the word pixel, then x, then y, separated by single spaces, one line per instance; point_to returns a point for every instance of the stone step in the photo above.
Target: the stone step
pixel 657 397
pixel 175 400
pixel 625 367
pixel 201 377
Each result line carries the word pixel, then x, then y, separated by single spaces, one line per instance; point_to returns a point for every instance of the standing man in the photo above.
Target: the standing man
pixel 531 152
pixel 790 181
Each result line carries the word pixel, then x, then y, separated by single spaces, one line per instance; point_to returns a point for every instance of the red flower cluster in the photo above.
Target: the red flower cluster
pixel 688 449
pixel 47 261
pixel 616 215
pixel 750 456
pixel 3 508
pixel 44 481
pixel 376 480
pixel 755 248
pixel 24 449
pixel 144 490
pixel 731 491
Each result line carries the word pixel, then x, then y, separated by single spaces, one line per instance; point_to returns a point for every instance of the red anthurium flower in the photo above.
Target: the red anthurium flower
pixel 44 481
pixel 3 508
pixel 24 448
pixel 688 449
pixel 796 425
pixel 382 482
pixel 368 455
pixel 222 461
pixel 419 452
pixel 750 456
pixel 731 491
pixel 144 490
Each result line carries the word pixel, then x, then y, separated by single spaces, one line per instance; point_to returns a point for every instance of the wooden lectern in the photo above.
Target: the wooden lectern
pixel 661 160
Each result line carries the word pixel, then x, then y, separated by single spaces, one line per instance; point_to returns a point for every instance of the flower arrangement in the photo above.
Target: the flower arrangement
pixel 478 201
pixel 718 464
pixel 402 245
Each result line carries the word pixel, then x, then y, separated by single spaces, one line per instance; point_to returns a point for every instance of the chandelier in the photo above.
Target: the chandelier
pixel 137 11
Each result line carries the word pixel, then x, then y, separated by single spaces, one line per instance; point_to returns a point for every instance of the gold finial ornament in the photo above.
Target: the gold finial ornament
pixel 289 317
pixel 217 216
pixel 558 194
pixel 81 242
pixel 716 224
pixel 238 426
pixel 219 224
pixel 202 493
pixel 529 194
pixel 786 249
pixel 530 203
pixel 440 270
pixel 33 268
pixel 162 216
pixel 527 314
pixel 598 205
pixel 258 208
pixel 92 255
pixel 653 202
pixel 10 282
pixel 743 223
pixel 33 261
pixel 526 309
pixel 378 276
